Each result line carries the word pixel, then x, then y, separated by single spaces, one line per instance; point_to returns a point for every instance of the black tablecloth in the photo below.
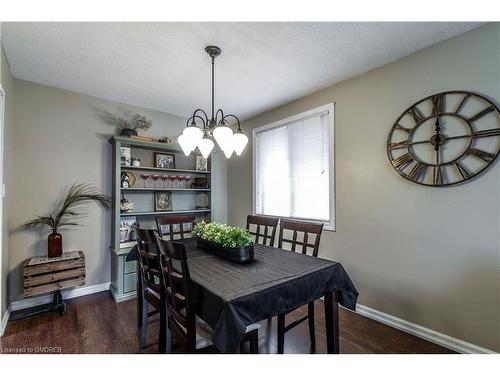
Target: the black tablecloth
pixel 229 296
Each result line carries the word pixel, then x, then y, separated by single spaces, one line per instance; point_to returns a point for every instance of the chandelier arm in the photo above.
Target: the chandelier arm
pixel 204 113
pixel 221 117
pixel 192 118
pixel 237 119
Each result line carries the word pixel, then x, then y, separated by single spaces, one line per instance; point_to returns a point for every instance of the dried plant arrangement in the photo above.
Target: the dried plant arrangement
pixel 127 126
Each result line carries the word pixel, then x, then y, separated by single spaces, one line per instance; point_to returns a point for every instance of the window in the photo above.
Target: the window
pixel 293 167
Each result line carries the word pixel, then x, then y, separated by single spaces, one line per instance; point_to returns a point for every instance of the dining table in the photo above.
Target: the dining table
pixel 231 296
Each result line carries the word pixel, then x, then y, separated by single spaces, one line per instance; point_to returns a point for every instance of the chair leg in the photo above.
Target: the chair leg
pixel 254 342
pixel 162 338
pixel 281 333
pixel 310 318
pixel 140 301
pixel 144 323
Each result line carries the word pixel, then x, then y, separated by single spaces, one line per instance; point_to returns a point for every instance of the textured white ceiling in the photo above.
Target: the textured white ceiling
pixel 163 66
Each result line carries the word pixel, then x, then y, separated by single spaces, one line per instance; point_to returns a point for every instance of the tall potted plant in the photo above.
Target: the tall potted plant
pixel 66 214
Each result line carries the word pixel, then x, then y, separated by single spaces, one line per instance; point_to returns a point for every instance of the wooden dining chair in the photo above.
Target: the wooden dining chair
pixel 305 237
pixel 175 227
pixel 263 228
pixel 190 331
pixel 149 290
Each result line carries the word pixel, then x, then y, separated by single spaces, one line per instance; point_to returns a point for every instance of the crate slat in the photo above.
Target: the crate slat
pixel 53 277
pixel 53 267
pixel 36 290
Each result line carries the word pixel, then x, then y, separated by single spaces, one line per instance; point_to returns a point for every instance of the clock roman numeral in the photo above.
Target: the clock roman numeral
pixel 402 161
pixel 462 170
pixel 486 133
pixel 400 127
pixel 437 104
pixel 418 117
pixel 398 145
pixel 462 103
pixel 438 176
pixel 417 171
pixel 483 155
pixel 484 112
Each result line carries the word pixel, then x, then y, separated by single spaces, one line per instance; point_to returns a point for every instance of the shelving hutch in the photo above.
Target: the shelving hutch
pixel 123 273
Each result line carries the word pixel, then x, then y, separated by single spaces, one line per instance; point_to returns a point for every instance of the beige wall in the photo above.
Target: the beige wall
pixel 59 140
pixel 430 256
pixel 8 86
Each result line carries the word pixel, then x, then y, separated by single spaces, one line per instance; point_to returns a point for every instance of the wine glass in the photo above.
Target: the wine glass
pixel 155 177
pixel 187 178
pixel 164 178
pixel 175 184
pixel 144 177
pixel 171 180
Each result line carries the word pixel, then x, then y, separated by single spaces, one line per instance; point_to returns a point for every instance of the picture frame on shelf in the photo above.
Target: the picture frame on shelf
pixel 163 201
pixel 201 164
pixel 126 228
pixel 164 160
pixel 125 156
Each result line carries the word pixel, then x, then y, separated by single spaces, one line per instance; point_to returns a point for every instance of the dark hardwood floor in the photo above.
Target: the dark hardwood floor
pixel 96 324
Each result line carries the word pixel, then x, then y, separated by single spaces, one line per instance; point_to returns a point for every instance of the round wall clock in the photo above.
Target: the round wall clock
pixel 445 139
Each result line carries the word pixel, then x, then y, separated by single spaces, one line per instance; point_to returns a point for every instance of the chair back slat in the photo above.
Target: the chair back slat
pixel 149 265
pixel 307 229
pixel 175 280
pixel 170 221
pixel 268 223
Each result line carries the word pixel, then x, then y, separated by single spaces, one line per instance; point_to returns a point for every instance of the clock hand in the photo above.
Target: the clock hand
pixel 436 147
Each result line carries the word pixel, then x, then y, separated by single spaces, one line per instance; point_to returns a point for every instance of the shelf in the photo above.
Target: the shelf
pixel 160 189
pixel 154 213
pixel 130 167
pixel 149 145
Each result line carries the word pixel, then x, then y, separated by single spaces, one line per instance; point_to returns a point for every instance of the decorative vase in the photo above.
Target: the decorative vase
pixel 54 244
pixel 128 132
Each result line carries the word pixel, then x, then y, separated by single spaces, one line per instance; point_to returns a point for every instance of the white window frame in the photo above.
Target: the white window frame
pixel 329 225
pixel 2 187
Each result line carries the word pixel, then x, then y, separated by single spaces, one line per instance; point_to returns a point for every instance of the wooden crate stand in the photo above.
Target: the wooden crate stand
pixel 51 277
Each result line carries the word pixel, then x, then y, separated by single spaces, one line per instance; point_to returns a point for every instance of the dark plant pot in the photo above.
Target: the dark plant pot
pixel 128 132
pixel 54 245
pixel 232 254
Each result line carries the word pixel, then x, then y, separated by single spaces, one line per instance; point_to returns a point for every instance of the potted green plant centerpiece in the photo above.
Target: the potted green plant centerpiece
pixel 66 213
pixel 230 243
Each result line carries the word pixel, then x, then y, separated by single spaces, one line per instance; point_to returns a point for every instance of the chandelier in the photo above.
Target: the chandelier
pixel 200 129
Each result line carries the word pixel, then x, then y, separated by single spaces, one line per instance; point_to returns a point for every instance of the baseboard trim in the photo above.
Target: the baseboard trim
pixel 449 342
pixel 67 294
pixel 122 297
pixel 5 319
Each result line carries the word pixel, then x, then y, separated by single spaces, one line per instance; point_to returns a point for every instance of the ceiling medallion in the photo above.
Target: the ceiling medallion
pixel 200 129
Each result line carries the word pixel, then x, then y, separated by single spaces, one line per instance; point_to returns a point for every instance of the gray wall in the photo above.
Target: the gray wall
pixel 8 86
pixel 430 256
pixel 59 140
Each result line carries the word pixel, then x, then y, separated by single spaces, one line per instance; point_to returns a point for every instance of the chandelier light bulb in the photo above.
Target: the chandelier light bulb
pixel 192 136
pixel 205 145
pixel 186 146
pixel 228 150
pixel 223 135
pixel 239 141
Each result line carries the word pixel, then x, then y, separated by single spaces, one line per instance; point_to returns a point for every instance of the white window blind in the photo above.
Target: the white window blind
pixel 292 169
